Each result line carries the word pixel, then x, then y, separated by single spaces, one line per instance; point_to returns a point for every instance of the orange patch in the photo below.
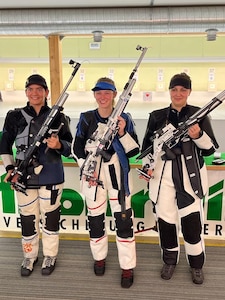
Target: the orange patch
pixel 27 247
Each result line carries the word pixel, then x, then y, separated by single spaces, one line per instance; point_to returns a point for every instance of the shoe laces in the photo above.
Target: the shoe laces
pixel 167 268
pixel 49 261
pixel 198 272
pixel 26 262
pixel 127 273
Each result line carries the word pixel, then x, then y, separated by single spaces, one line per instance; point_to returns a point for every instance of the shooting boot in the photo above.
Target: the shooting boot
pixel 28 266
pixel 197 276
pixel 48 265
pixel 99 267
pixel 127 278
pixel 167 271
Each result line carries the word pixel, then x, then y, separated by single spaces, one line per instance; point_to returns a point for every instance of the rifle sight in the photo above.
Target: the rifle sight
pixel 71 62
pixel 139 48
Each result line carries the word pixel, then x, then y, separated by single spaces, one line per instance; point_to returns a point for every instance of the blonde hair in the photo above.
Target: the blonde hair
pixel 106 79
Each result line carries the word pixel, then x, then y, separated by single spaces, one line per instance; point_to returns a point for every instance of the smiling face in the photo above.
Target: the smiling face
pixel 105 98
pixel 105 101
pixel 36 95
pixel 179 96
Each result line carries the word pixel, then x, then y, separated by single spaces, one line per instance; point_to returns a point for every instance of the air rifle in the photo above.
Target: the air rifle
pixel 103 136
pixel 19 176
pixel 168 136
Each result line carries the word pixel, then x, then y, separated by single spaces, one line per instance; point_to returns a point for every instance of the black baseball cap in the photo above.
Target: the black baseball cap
pixel 36 79
pixel 181 79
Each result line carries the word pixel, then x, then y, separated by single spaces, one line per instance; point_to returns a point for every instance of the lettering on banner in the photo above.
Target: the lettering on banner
pixel 216 230
pixel 73 212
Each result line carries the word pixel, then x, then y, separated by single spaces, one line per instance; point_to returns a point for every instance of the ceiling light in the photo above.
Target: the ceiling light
pixel 97 35
pixel 211 34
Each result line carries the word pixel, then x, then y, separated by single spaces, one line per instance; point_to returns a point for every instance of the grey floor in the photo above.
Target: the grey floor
pixel 73 277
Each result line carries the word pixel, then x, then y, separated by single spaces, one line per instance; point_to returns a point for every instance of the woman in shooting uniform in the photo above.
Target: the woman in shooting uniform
pixel 179 180
pixel 44 177
pixel 111 180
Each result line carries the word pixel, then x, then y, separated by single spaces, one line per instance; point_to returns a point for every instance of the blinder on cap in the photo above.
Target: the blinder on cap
pixel 104 86
pixel 180 80
pixel 36 79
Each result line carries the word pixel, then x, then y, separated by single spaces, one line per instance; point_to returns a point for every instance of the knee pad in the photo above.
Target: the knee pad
pixel 168 234
pixel 52 220
pixel 96 226
pixel 124 227
pixel 28 225
pixel 191 233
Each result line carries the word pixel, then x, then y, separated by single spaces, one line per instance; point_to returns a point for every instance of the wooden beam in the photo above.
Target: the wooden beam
pixel 55 61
